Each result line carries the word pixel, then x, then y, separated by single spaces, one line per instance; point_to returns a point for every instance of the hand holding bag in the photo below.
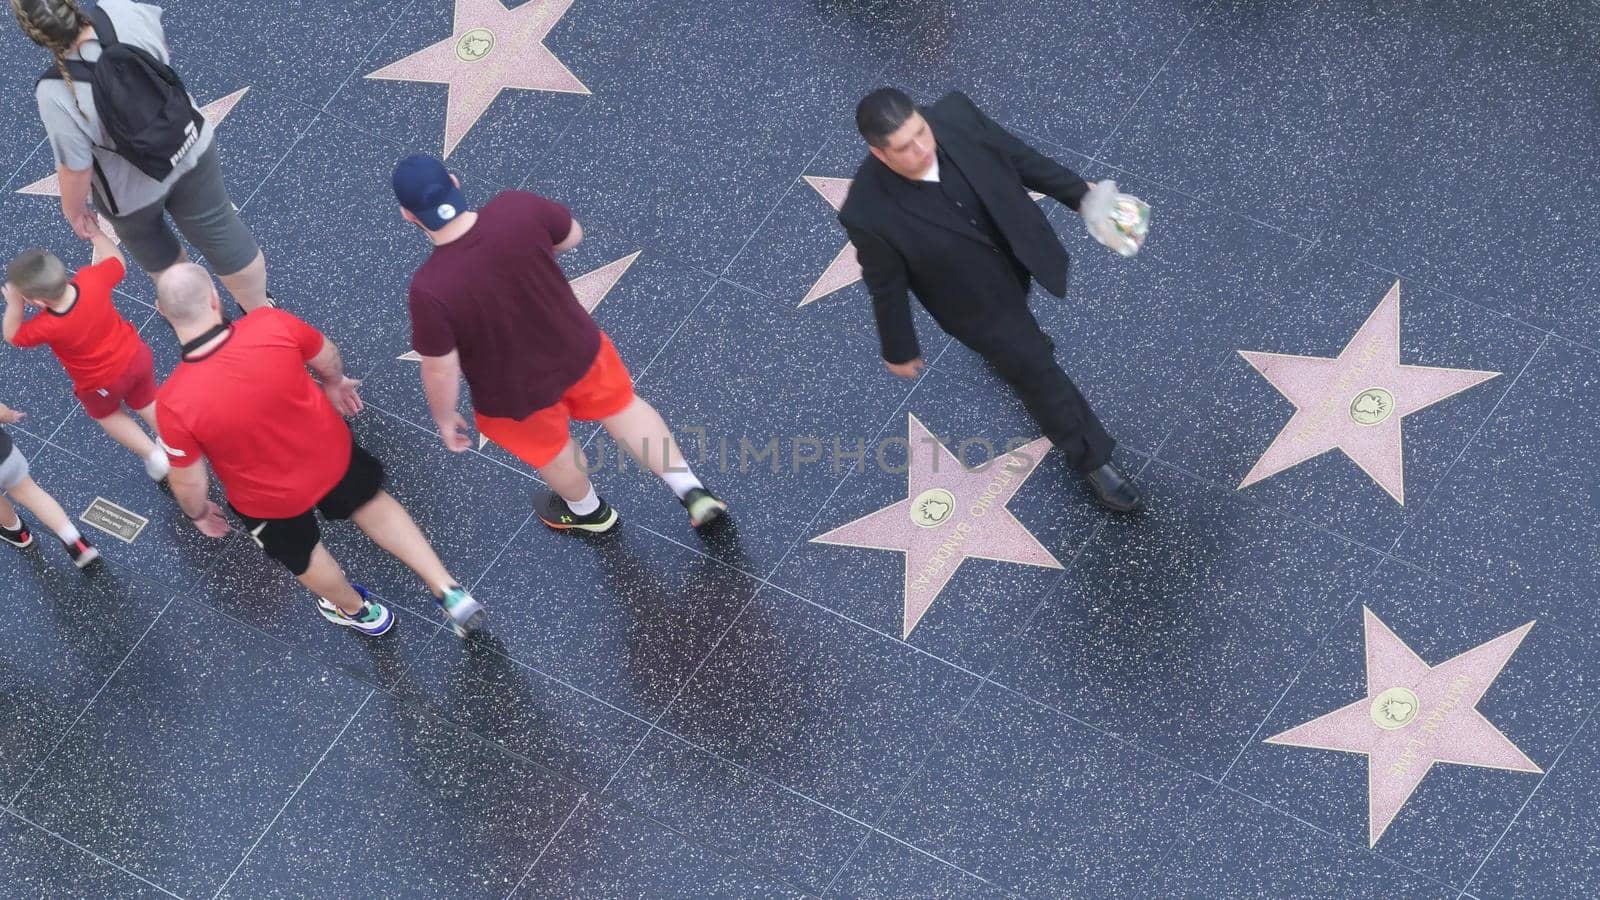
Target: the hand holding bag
pixel 1119 221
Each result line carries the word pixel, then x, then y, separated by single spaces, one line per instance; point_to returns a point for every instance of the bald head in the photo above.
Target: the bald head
pixel 186 297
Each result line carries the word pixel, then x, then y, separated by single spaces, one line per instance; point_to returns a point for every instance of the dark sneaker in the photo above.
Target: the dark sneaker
pixel 555 513
pixel 82 552
pixel 463 614
pixel 703 506
pixel 373 620
pixel 18 536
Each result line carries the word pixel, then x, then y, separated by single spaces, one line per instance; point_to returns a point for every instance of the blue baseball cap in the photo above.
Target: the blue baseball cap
pixel 422 185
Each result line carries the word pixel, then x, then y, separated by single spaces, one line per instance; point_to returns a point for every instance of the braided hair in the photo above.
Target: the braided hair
pixel 55 26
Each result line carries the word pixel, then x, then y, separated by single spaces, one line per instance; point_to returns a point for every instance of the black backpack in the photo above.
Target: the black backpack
pixel 144 109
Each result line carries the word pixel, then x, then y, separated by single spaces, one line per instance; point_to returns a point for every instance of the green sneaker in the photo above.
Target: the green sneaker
pixel 703 506
pixel 463 614
pixel 373 620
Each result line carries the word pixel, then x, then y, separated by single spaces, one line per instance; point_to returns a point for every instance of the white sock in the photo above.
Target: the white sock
pixel 589 503
pixel 156 465
pixel 681 482
pixel 69 534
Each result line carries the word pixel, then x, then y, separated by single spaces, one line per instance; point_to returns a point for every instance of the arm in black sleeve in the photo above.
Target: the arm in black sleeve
pixel 885 274
pixel 1039 172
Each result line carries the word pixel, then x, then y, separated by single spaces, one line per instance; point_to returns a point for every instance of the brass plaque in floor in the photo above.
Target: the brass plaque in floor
pixel 122 524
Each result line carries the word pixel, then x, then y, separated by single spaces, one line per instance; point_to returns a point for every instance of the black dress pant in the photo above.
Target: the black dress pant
pixel 1024 356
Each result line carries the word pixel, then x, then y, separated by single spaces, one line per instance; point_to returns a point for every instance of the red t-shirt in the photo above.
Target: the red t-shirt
pixel 496 295
pixel 92 340
pixel 253 411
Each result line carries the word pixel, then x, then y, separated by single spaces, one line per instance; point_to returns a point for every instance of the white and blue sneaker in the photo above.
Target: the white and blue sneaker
pixel 463 614
pixel 373 620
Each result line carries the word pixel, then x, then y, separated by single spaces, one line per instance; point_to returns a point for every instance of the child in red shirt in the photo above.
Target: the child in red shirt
pixel 107 361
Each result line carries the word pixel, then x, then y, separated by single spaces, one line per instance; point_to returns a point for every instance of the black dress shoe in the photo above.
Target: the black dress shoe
pixel 1113 491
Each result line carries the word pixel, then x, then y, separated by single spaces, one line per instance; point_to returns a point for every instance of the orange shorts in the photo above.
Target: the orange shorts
pixel 603 391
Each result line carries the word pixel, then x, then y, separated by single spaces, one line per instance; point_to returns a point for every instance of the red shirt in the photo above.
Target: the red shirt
pixel 253 411
pixel 496 295
pixel 92 340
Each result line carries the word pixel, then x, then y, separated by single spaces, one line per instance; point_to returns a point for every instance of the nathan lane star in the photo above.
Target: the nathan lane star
pixel 490 49
pixel 1415 715
pixel 950 514
pixel 940 208
pixel 1356 401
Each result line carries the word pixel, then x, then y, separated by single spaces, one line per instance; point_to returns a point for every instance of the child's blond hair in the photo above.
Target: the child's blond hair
pixel 38 275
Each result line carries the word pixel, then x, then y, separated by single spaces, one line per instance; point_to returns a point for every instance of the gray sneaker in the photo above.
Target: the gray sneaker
pixel 463 614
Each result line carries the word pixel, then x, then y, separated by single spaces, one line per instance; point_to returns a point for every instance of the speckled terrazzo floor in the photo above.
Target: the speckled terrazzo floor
pixel 1102 707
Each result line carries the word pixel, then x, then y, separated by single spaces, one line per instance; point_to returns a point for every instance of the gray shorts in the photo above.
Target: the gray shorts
pixel 199 205
pixel 13 470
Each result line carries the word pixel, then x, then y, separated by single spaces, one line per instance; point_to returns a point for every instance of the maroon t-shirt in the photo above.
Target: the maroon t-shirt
pixel 496 295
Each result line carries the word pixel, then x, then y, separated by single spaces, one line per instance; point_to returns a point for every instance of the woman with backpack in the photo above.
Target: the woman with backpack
pixel 122 126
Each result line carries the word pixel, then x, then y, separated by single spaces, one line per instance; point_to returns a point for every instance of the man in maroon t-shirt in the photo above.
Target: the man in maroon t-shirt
pixel 490 302
pixel 241 399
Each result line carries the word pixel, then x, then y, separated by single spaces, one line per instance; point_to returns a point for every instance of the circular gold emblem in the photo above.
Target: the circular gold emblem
pixel 933 508
pixel 1394 708
pixel 1372 406
pixel 475 44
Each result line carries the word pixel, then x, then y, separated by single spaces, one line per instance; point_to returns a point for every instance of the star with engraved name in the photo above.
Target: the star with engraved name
pixel 950 513
pixel 50 186
pixel 845 270
pixel 590 288
pixel 1415 715
pixel 1354 402
pixel 490 49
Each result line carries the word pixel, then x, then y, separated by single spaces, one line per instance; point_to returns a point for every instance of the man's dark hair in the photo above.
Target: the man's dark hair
pixel 881 113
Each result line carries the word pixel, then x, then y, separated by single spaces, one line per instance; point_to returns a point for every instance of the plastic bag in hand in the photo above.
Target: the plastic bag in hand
pixel 1119 221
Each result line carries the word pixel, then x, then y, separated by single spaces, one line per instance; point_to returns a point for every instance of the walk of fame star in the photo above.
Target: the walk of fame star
pixel 950 513
pixel 1355 402
pixel 50 186
pixel 491 48
pixel 590 288
pixel 844 270
pixel 1415 715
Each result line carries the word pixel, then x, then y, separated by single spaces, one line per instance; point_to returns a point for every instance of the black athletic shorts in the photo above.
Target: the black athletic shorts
pixel 290 541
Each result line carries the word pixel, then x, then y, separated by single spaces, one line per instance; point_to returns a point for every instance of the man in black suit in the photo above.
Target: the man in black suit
pixel 941 208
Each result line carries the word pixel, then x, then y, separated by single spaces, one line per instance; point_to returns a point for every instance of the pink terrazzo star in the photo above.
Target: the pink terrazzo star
pixel 1415 715
pixel 1356 402
pixel 50 186
pixel 844 270
pixel 491 49
pixel 950 513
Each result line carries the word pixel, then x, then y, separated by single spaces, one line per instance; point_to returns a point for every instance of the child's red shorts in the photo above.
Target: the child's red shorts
pixel 136 386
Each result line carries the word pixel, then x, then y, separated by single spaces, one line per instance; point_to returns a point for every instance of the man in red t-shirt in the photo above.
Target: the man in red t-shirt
pixel 241 399
pixel 491 303
pixel 108 364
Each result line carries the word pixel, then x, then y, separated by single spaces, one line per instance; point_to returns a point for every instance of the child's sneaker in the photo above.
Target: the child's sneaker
pixel 373 620
pixel 81 551
pixel 157 467
pixel 18 536
pixel 703 506
pixel 463 614
pixel 555 513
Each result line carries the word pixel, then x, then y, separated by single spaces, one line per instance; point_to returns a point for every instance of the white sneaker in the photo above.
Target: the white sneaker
pixel 157 467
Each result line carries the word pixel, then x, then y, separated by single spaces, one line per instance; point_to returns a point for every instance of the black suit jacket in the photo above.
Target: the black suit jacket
pixel 908 238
